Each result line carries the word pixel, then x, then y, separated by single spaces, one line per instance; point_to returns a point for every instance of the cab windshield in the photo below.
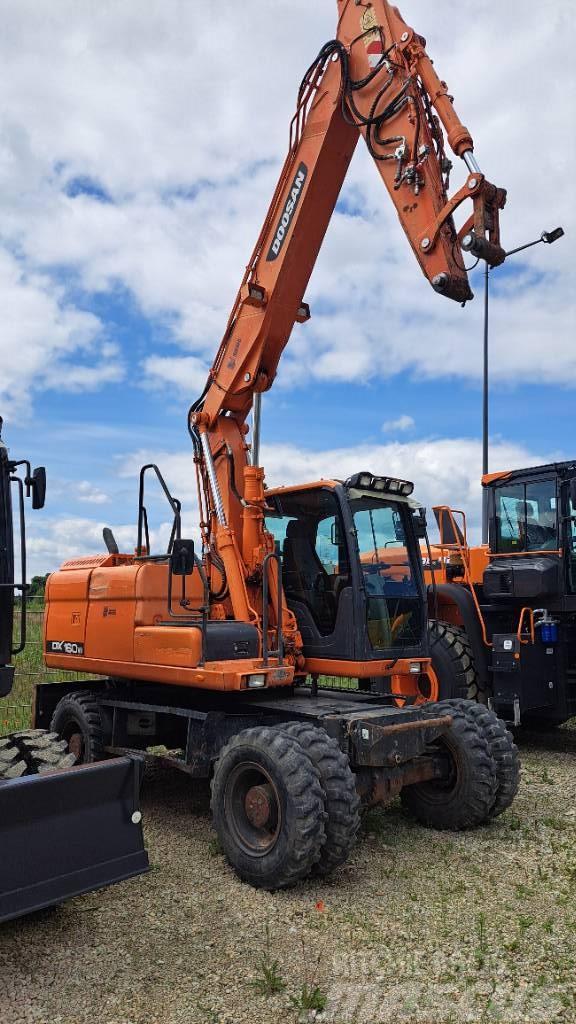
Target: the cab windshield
pixel 394 605
pixel 527 517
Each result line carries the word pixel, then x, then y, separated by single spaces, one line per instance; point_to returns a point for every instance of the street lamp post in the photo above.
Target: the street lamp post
pixel 548 237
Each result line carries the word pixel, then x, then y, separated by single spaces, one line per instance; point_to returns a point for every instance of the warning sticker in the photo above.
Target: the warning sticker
pixel 373 41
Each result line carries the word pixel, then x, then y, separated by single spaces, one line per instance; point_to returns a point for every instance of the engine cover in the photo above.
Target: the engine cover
pixel 525 578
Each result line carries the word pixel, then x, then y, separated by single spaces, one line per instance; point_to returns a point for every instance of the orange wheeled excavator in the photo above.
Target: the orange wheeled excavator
pixel 204 654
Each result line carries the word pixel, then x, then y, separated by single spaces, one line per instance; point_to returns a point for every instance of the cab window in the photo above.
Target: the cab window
pixel 527 517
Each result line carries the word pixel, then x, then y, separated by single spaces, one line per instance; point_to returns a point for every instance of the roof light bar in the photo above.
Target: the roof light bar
pixel 380 484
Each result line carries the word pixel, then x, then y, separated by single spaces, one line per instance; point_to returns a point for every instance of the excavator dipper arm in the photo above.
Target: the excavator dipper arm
pixel 375 80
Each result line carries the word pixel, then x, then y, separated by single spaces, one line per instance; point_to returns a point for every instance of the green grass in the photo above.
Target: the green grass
pixel 16 709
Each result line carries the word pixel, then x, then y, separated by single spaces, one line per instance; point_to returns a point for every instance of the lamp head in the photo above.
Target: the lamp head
pixel 552 236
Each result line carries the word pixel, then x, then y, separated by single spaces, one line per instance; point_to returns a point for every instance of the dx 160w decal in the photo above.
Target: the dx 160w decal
pixel 64 647
pixel 288 213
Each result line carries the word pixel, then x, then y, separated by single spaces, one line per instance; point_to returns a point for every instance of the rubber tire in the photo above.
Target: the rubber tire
pixel 503 750
pixel 453 663
pixel 341 799
pixel 302 833
pixel 33 752
pixel 81 709
pixel 468 802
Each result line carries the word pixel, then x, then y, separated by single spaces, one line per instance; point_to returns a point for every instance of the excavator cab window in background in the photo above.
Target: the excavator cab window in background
pixel 527 517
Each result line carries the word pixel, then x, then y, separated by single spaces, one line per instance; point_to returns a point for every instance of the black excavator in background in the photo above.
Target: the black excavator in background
pixel 64 829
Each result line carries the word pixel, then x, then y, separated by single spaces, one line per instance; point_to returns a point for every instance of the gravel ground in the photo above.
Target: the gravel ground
pixel 419 927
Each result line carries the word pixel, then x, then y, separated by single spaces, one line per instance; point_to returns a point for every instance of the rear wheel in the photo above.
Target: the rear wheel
pixel 464 798
pixel 268 808
pixel 453 663
pixel 341 799
pixel 33 752
pixel 502 749
pixel 77 719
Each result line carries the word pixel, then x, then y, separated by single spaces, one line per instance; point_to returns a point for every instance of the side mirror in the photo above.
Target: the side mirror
pixel 335 535
pixel 38 487
pixel 420 523
pixel 182 558
pixel 572 486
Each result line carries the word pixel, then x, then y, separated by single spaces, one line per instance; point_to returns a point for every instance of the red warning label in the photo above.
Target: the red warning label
pixel 375 50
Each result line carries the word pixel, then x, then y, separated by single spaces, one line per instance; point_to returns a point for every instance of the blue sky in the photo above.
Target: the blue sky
pixel 135 171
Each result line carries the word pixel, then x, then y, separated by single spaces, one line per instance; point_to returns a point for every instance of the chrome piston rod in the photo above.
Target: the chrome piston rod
pixel 211 470
pixel 471 162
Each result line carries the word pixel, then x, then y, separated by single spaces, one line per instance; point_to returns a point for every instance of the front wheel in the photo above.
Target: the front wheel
pixel 464 797
pixel 340 797
pixel 77 719
pixel 268 808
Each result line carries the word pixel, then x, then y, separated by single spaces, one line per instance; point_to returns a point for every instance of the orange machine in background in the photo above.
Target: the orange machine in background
pixel 511 604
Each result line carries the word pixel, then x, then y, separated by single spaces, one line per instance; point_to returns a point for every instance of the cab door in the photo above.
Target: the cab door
pixel 310 536
pixel 571 536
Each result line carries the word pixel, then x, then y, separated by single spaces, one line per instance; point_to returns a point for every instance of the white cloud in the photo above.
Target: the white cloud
pixel 157 106
pixel 44 342
pixel 188 374
pixel 86 492
pixel 54 541
pixel 444 471
pixel 400 425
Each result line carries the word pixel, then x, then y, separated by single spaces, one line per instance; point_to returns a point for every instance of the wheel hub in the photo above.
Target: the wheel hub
pixel 76 745
pixel 258 804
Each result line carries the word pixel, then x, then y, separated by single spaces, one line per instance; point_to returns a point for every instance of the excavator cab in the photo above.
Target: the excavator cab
pixel 351 571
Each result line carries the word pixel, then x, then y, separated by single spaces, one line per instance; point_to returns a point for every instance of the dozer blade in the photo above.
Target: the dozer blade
pixel 68 833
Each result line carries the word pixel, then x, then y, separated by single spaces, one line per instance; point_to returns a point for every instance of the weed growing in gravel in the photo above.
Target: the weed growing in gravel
pixel 270 981
pixel 311 997
pixel 214 848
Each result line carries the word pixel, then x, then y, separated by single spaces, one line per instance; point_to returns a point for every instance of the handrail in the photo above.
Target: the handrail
pixel 530 613
pixel 464 552
pixel 143 515
pixel 266 652
pixel 23 587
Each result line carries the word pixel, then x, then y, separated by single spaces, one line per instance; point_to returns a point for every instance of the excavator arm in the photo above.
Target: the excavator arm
pixel 374 80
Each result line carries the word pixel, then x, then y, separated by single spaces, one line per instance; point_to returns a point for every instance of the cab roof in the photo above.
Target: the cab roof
pixel 564 470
